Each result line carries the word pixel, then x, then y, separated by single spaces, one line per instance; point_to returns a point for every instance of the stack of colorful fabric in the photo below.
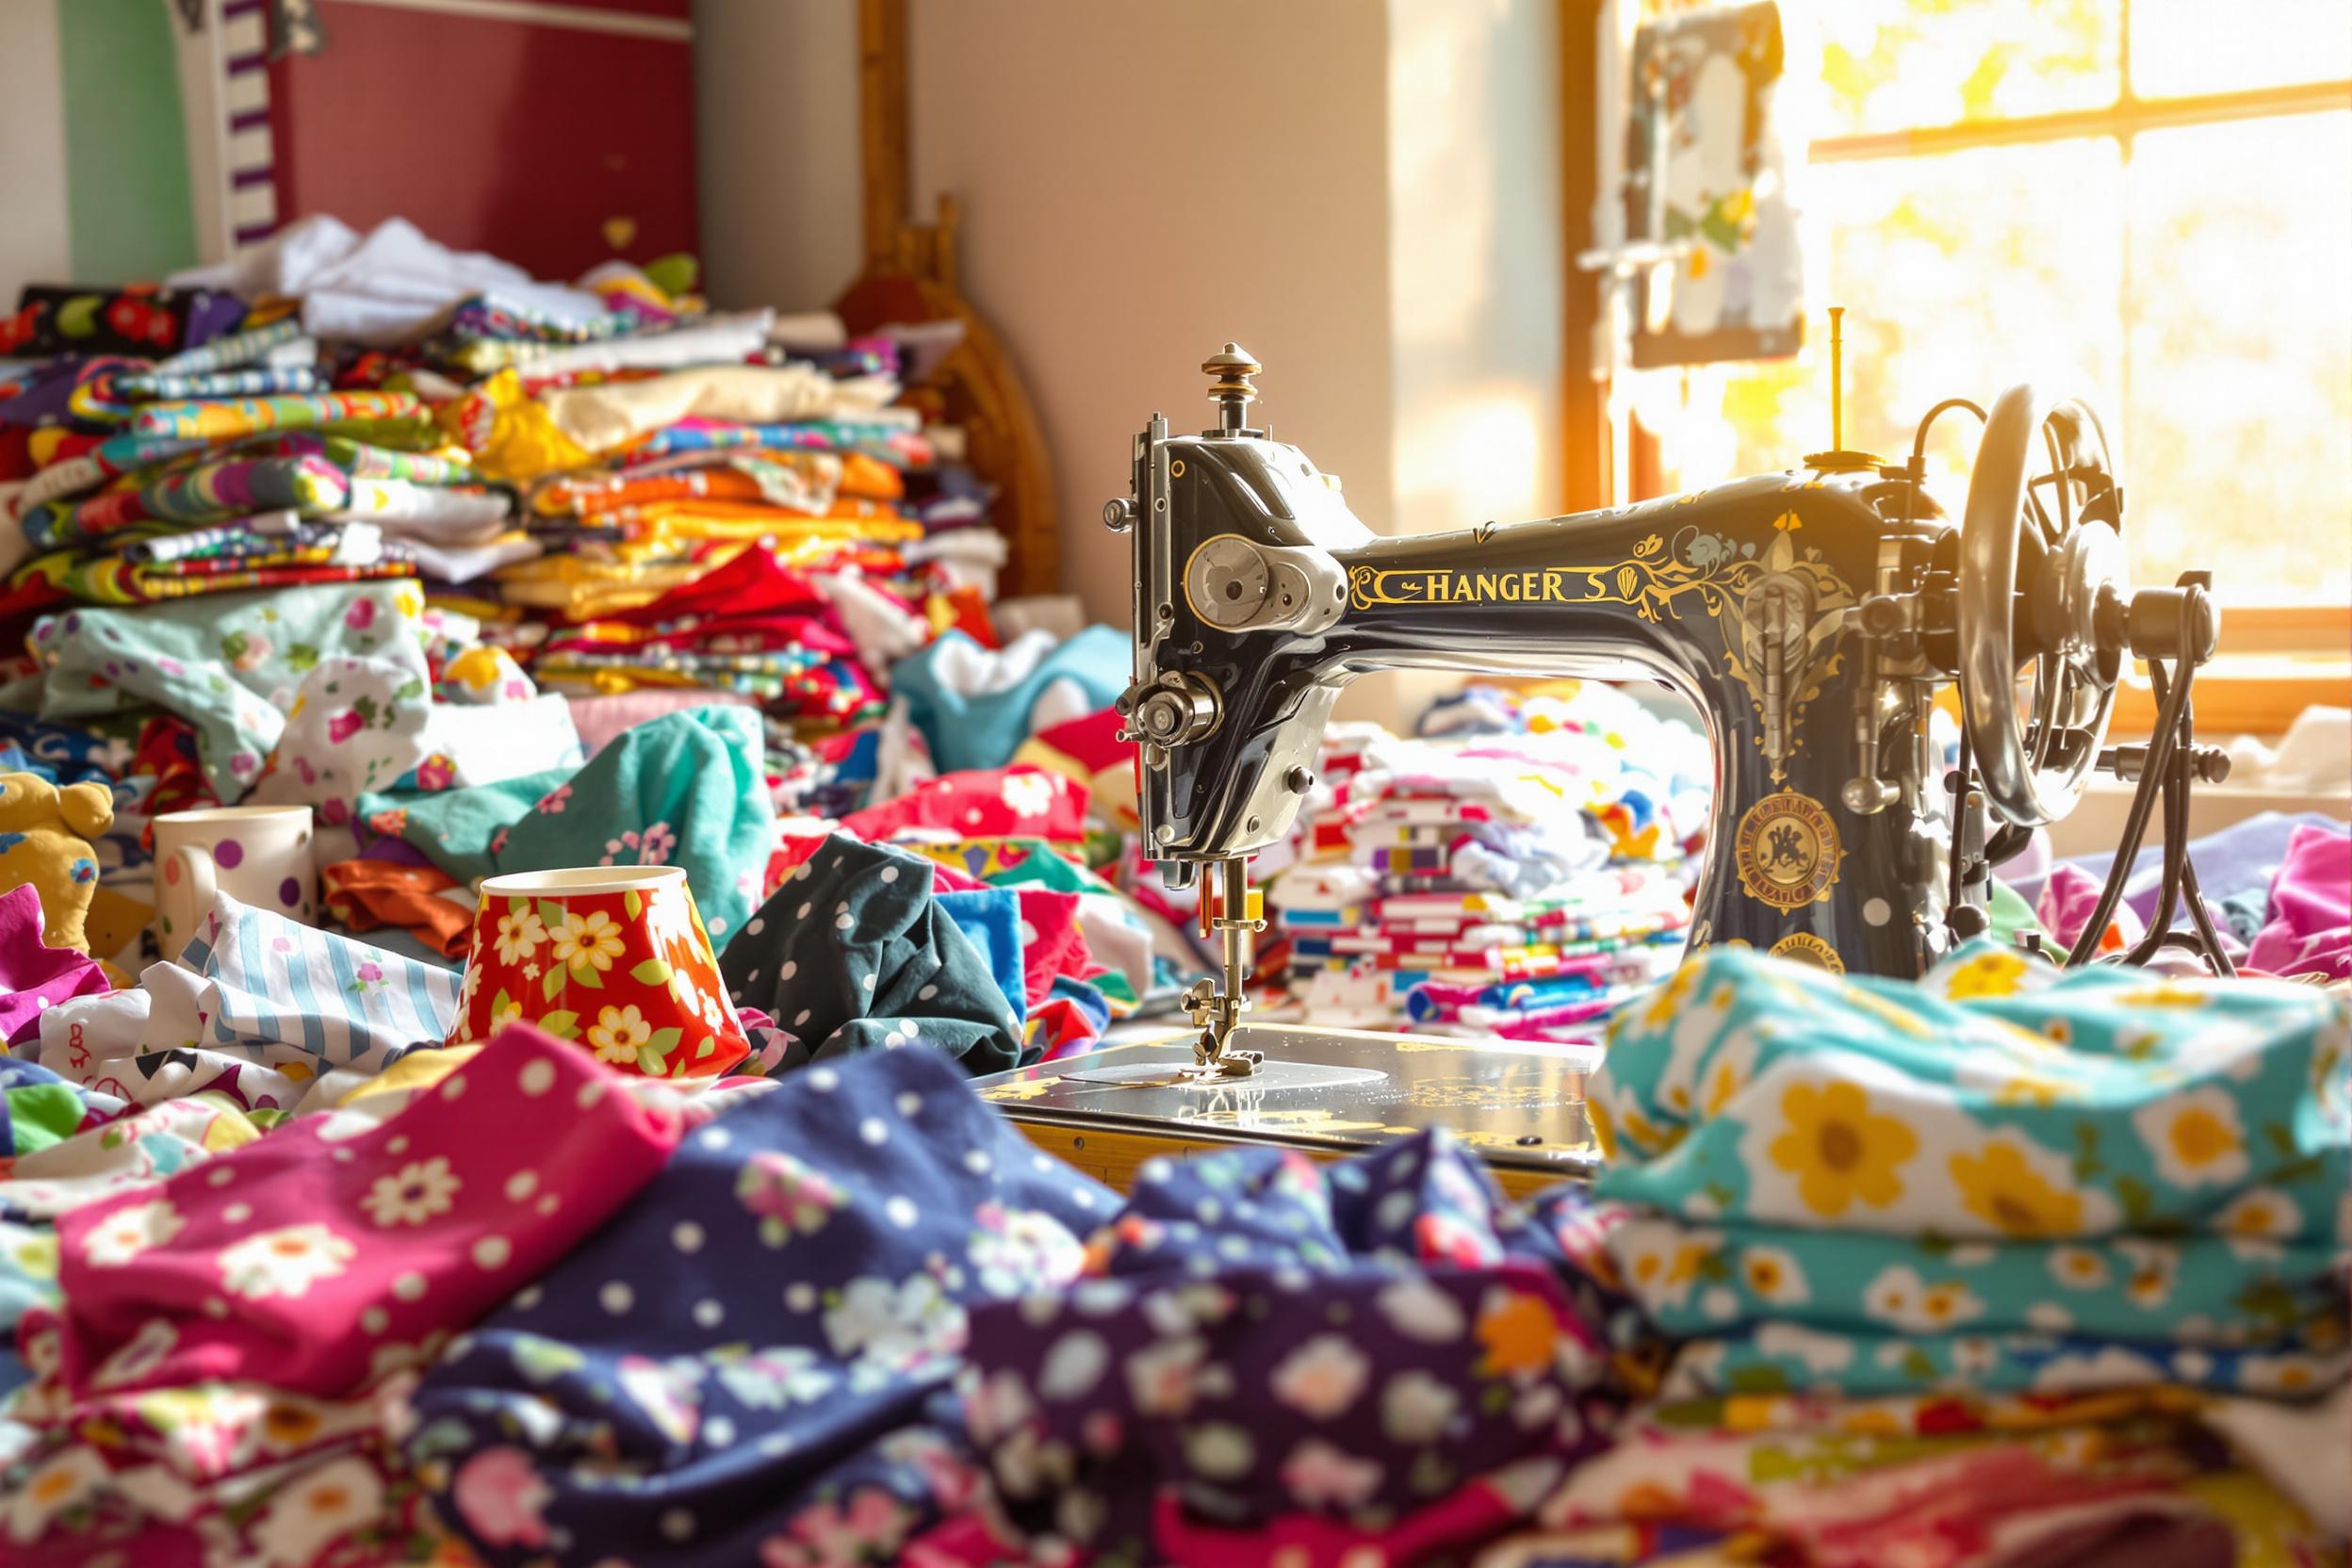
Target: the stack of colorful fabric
pixel 2004 1261
pixel 1520 881
pixel 218 470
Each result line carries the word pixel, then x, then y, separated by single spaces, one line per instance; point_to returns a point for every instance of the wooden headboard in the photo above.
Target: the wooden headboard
pixel 909 275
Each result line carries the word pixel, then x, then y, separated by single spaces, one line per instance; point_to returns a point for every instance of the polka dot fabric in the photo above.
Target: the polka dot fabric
pixel 291 1262
pixel 753 1362
pixel 854 953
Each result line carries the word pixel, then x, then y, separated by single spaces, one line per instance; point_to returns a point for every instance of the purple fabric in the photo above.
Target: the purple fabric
pixel 35 976
pixel 1272 1338
pixel 2311 907
pixel 2242 858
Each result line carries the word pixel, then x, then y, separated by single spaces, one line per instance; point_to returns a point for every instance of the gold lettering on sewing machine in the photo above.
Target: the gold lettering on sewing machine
pixel 1787 850
pixel 1806 948
pixel 1370 585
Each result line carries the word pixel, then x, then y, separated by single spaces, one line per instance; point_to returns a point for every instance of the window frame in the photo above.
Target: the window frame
pixel 2277 659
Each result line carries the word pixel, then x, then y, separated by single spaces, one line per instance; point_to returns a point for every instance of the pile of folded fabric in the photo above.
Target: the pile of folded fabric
pixel 1520 871
pixel 2004 1259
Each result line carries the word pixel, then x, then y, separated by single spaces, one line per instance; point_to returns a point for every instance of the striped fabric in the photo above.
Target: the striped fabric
pixel 266 978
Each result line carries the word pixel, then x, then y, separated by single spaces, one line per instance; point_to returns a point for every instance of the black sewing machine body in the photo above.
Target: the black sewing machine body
pixel 1743 598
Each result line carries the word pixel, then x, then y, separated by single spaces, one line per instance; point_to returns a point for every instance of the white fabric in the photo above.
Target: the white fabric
pixel 883 631
pixel 2315 755
pixel 713 340
pixel 602 417
pixel 388 286
pixel 968 556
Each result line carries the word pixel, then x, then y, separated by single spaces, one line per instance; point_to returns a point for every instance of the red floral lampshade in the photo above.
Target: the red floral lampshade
pixel 615 959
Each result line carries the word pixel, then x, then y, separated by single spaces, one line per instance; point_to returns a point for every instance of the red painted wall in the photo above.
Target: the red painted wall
pixel 553 147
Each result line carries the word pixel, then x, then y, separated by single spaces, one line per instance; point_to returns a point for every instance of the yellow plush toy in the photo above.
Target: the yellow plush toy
pixel 44 840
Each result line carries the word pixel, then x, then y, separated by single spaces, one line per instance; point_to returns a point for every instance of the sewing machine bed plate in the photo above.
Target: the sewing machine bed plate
pixel 1325 1092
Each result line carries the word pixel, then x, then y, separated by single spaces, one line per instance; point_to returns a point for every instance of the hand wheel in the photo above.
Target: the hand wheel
pixel 2041 583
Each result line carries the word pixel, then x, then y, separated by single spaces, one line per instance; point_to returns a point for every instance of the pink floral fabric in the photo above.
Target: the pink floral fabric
pixel 294 1260
pixel 235 1343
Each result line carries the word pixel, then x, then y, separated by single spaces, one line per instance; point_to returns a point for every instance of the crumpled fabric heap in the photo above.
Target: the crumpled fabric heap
pixel 684 789
pixel 1958 1478
pixel 276 1016
pixel 216 1383
pixel 754 1361
pixel 855 953
pixel 1272 1361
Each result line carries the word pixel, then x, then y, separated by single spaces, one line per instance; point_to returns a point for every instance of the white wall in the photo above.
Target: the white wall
pixel 1143 182
pixel 34 243
pixel 775 126
pixel 1366 196
pixel 1477 259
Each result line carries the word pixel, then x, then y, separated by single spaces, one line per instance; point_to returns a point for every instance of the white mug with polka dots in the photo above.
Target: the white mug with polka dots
pixel 258 854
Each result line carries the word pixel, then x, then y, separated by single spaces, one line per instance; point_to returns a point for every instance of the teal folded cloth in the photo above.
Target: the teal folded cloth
pixel 685 789
pixel 2002 1177
pixel 454 829
pixel 975 706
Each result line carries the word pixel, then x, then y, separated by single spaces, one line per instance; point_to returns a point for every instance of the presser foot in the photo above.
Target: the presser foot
pixel 1217 1014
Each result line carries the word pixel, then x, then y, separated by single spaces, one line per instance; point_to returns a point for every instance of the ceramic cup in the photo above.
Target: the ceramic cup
pixel 614 959
pixel 258 854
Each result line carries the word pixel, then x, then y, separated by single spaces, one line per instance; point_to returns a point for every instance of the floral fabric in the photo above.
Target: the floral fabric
pixel 1955 1480
pixel 1999 1178
pixel 853 953
pixel 1264 1339
pixel 1007 803
pixel 685 789
pixel 229 1336
pixel 753 1362
pixel 141 319
pixel 231 665
pixel 628 975
pixel 359 725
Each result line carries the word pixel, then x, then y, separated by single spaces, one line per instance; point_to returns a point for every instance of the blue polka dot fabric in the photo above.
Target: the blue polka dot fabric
pixel 753 1362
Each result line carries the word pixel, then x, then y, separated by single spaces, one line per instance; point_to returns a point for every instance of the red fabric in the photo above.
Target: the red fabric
pixel 1050 942
pixel 166 749
pixel 1442 1531
pixel 983 802
pixel 1091 741
pixel 748 584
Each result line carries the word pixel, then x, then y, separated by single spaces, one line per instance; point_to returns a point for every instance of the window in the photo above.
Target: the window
pixel 2147 202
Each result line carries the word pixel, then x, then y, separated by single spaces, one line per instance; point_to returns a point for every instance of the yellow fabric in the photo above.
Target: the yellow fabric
pixel 414 1072
pixel 45 838
pixel 512 439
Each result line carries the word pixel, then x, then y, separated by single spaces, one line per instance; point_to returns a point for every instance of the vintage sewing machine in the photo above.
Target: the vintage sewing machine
pixel 1812 616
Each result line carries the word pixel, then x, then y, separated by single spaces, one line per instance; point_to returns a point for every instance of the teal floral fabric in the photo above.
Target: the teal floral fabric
pixel 2002 1177
pixel 687 789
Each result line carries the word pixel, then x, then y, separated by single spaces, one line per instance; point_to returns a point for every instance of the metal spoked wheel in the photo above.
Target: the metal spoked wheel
pixel 2041 563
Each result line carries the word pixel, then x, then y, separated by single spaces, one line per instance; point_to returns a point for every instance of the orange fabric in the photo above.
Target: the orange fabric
pixel 364 894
